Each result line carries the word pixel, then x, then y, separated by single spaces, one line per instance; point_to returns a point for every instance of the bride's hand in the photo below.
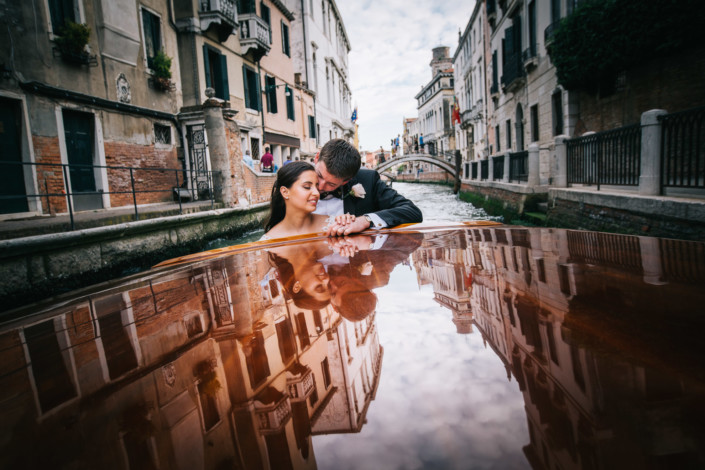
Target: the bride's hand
pixel 344 219
pixel 339 225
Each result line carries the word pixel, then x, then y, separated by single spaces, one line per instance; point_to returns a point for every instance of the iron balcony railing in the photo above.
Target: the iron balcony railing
pixel 513 69
pixel 519 166
pixel 610 157
pixel 128 186
pixel 683 149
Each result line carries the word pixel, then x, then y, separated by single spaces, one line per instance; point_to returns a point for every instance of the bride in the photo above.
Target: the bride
pixel 294 198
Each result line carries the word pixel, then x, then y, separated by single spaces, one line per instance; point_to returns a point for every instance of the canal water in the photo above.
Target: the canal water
pixel 437 202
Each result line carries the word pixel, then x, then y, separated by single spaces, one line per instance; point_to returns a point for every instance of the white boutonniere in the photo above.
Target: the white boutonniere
pixel 357 191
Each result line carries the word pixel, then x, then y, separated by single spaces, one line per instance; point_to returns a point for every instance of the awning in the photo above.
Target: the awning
pixel 279 139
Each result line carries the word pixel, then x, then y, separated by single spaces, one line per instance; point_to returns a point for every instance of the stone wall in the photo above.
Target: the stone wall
pixel 259 185
pixel 39 266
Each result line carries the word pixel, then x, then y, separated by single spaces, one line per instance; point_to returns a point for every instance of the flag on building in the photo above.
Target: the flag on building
pixel 456 111
pixel 353 118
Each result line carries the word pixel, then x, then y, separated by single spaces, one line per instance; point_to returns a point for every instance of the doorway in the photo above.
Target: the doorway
pixel 79 131
pixel 12 184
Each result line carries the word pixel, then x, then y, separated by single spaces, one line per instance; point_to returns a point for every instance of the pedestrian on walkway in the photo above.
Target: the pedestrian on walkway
pixel 267 161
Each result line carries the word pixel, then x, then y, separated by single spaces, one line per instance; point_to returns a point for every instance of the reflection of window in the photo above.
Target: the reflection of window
pixel 325 370
pixel 216 68
pixel 256 359
pixel 285 336
pixel 251 82
pixel 313 398
pixel 48 365
pixel 209 406
pixel 119 350
pixel 193 324
pixel 137 448
pixel 151 25
pixel 302 330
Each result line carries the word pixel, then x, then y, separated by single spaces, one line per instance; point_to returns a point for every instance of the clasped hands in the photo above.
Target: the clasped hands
pixel 346 224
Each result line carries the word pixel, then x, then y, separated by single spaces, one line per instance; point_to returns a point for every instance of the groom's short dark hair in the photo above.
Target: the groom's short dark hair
pixel 341 158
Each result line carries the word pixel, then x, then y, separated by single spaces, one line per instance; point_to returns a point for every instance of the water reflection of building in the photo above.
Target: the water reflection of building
pixel 207 366
pixel 444 262
pixel 587 326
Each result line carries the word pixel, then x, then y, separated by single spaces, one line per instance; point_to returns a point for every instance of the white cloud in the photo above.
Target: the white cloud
pixel 391 48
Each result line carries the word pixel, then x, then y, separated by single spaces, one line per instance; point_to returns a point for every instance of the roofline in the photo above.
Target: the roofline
pixel 285 11
pixel 342 24
pixel 475 12
pixel 434 80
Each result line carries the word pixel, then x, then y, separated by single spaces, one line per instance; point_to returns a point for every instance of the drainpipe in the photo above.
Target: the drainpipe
pixel 259 96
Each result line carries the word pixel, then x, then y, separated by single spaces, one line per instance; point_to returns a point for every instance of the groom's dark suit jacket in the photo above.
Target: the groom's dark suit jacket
pixel 379 198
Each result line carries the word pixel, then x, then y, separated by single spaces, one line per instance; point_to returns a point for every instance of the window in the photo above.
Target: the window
pixel 162 134
pixel 216 68
pixel 270 91
pixel 251 82
pixel 151 26
pixel 289 93
pixel 285 39
pixel 246 6
pixel 557 111
pixel 534 123
pixel 62 11
pixel 325 370
pixel 267 18
pixel 209 406
pixel 509 134
pixel 532 28
pixel 496 138
pixel 312 127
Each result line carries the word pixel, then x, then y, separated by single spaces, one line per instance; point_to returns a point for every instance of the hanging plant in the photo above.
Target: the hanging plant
pixel 205 371
pixel 161 66
pixel 73 38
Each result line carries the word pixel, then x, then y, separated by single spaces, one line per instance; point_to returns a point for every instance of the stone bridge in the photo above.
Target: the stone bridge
pixel 418 157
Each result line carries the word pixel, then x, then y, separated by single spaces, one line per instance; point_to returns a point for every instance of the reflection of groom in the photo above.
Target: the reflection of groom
pixel 338 169
pixel 351 283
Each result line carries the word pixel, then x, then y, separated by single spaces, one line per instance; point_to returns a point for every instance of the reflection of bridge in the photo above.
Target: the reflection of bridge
pixel 418 157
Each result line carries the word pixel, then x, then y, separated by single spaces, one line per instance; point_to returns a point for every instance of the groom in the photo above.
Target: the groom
pixel 347 188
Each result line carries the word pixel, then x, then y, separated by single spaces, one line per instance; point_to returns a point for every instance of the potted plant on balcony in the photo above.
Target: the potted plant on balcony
pixel 71 42
pixel 161 67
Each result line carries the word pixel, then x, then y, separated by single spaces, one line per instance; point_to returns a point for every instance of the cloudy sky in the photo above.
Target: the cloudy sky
pixel 391 44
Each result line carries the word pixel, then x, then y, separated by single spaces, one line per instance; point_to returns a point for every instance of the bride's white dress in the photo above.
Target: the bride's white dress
pixel 329 220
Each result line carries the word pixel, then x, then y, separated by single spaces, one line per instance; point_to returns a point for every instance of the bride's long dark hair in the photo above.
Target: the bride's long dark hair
pixel 286 176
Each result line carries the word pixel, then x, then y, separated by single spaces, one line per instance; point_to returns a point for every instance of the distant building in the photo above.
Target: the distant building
pixel 435 104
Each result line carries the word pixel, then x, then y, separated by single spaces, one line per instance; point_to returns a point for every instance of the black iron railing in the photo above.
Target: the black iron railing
pixel 498 167
pixel 683 149
pixel 127 186
pixel 513 69
pixel 519 166
pixel 610 157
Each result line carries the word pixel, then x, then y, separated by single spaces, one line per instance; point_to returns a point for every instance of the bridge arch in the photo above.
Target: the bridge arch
pixel 418 157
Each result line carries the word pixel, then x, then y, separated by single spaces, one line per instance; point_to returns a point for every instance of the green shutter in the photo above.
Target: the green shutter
pixel 224 77
pixel 247 88
pixel 206 66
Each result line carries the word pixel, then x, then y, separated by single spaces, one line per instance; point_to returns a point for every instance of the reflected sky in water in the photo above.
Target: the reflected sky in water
pixel 444 399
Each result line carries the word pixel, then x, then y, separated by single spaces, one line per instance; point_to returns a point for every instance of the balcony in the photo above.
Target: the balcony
pixel 513 74
pixel 299 383
pixel 254 35
pixel 530 58
pixel 549 32
pixel 273 411
pixel 220 15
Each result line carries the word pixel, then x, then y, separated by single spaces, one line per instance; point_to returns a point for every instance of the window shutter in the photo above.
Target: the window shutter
pixel 224 77
pixel 207 66
pixel 247 87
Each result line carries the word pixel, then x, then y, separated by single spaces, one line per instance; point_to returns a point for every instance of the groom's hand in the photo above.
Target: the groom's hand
pixel 346 224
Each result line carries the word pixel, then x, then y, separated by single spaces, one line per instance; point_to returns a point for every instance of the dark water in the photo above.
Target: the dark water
pixel 436 202
pixel 477 348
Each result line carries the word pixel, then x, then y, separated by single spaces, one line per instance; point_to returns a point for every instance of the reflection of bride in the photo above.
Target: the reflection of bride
pixel 303 277
pixel 294 198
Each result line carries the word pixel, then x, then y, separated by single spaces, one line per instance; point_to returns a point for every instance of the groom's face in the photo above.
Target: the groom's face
pixel 326 181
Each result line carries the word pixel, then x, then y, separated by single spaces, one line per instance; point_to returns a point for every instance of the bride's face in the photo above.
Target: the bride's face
pixel 303 193
pixel 314 281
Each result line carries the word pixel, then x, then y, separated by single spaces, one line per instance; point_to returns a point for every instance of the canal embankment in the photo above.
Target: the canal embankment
pixel 38 266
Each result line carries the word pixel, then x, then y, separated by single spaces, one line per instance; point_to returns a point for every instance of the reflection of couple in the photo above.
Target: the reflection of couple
pixel 341 272
pixel 336 188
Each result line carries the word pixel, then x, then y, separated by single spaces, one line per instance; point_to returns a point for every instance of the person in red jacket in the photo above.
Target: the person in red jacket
pixel 267 161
